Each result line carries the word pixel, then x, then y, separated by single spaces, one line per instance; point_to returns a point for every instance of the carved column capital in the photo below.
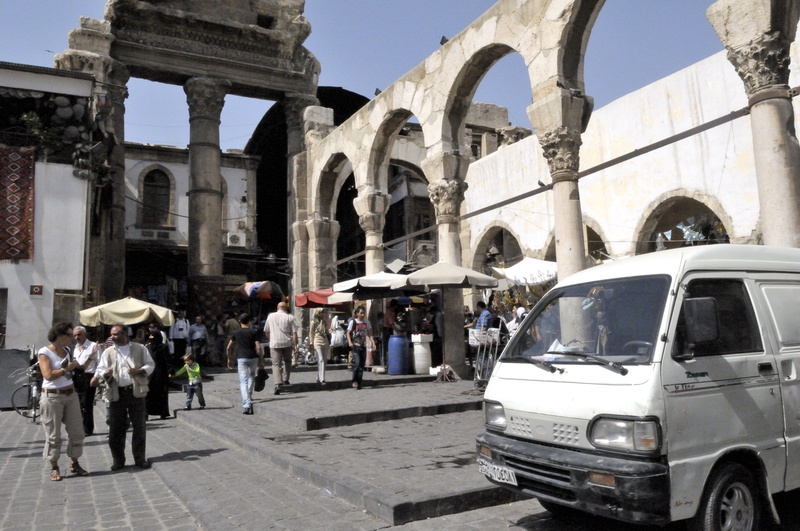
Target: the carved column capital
pixel 762 63
pixel 371 209
pixel 446 196
pixel 206 96
pixel 294 104
pixel 561 149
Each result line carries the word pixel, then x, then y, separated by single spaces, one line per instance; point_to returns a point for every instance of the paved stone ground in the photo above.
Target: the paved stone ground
pixel 217 469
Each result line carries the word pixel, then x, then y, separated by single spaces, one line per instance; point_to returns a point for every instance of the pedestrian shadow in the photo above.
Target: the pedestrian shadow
pixel 187 455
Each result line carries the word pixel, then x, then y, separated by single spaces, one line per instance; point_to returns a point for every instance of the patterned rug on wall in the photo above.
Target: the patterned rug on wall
pixel 17 166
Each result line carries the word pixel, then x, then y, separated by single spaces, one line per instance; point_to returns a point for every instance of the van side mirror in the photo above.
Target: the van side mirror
pixel 702 323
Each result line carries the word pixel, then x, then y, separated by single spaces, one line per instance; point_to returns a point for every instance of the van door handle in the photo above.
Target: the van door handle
pixel 765 368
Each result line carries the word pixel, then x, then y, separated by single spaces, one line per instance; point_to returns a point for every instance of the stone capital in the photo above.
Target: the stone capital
pixel 757 35
pixel 322 229
pixel 561 148
pixel 763 63
pixel 294 104
pixel 446 196
pixel 300 232
pixel 371 209
pixel 206 96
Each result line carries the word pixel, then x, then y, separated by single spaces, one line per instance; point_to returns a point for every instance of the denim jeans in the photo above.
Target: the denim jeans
pixel 247 375
pixel 359 357
pixel 195 389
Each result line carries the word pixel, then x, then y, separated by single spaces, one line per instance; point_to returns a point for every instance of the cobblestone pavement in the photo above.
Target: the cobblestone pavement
pixel 310 458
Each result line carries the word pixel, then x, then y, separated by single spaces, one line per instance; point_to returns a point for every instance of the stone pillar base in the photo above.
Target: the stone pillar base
pixel 206 297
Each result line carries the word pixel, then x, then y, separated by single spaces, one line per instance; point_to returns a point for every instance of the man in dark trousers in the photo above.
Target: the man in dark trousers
pixel 124 368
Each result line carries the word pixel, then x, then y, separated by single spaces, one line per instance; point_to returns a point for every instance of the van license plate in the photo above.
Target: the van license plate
pixel 497 472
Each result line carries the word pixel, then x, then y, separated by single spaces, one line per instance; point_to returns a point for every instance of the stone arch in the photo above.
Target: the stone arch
pixel 144 191
pixel 329 184
pixel 382 144
pixel 671 208
pixel 488 238
pixel 462 91
pixel 596 245
pixel 595 239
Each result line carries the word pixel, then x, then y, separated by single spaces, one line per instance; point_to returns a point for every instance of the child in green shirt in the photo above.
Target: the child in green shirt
pixel 192 369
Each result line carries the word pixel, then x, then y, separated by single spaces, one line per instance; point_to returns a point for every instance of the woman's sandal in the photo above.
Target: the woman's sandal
pixel 77 469
pixel 55 475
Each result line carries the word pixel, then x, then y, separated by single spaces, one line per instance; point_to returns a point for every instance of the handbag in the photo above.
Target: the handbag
pixel 261 379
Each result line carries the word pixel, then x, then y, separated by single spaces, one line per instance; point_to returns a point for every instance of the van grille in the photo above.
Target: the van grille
pixel 566 434
pixel 563 434
pixel 542 479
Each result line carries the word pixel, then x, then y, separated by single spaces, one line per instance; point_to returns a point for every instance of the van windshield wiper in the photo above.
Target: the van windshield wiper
pixel 546 365
pixel 610 365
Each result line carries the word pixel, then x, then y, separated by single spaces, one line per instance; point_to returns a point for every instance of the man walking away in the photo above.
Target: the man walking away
pixel 281 332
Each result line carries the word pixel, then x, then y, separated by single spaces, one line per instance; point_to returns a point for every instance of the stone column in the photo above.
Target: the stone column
pixel 446 173
pixel 294 106
pixel 322 235
pixel 447 196
pixel 559 118
pixel 371 209
pixel 757 35
pixel 90 52
pixel 205 97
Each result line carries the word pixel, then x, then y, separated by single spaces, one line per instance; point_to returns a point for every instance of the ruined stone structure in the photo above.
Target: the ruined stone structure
pixel 241 47
pixel 551 36
pixel 749 180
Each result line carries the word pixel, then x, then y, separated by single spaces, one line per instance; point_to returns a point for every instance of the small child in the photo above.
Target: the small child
pixel 192 369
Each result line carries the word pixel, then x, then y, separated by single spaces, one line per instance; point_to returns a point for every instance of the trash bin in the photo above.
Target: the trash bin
pixel 422 352
pixel 398 355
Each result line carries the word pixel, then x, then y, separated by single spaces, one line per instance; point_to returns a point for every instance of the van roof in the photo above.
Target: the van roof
pixel 729 257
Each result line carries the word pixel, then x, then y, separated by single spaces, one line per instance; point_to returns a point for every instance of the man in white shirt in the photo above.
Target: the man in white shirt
pixel 198 335
pixel 179 334
pixel 86 353
pixel 281 332
pixel 126 365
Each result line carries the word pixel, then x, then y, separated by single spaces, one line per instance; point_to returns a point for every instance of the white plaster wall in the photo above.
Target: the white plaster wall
pixel 235 180
pixel 58 256
pixel 715 167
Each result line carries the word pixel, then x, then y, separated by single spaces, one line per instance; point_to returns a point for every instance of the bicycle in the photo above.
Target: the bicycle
pixel 25 398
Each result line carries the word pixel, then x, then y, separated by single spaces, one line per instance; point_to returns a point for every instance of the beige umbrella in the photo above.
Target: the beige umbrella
pixel 374 286
pixel 444 274
pixel 127 311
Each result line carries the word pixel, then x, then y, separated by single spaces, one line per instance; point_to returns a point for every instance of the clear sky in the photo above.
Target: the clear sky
pixel 368 44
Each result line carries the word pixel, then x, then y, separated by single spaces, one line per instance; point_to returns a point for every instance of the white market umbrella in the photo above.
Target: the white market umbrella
pixel 444 274
pixel 529 271
pixel 372 286
pixel 127 311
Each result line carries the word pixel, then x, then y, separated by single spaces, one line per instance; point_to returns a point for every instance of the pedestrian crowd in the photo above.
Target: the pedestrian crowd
pixel 131 371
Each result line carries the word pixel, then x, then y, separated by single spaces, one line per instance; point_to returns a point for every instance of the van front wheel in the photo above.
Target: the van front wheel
pixel 731 501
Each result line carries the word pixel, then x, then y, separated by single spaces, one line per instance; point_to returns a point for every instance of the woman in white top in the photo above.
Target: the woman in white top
pixel 59 402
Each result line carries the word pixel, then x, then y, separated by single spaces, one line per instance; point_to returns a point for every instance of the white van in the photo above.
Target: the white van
pixel 655 389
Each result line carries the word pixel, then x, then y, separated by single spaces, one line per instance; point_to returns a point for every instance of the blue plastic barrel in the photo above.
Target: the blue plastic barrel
pixel 398 355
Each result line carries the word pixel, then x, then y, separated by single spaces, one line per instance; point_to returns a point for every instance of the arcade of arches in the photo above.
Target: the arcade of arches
pixel 335 164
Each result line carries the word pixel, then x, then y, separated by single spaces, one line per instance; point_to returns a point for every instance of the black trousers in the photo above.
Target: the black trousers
pixel 86 395
pixel 120 412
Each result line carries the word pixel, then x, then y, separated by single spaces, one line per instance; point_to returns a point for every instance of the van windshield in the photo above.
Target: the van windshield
pixel 617 320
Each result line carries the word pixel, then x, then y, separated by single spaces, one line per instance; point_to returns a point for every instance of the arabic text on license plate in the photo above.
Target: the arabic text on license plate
pixel 497 472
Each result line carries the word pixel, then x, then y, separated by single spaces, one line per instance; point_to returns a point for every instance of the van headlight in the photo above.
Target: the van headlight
pixel 495 415
pixel 625 434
